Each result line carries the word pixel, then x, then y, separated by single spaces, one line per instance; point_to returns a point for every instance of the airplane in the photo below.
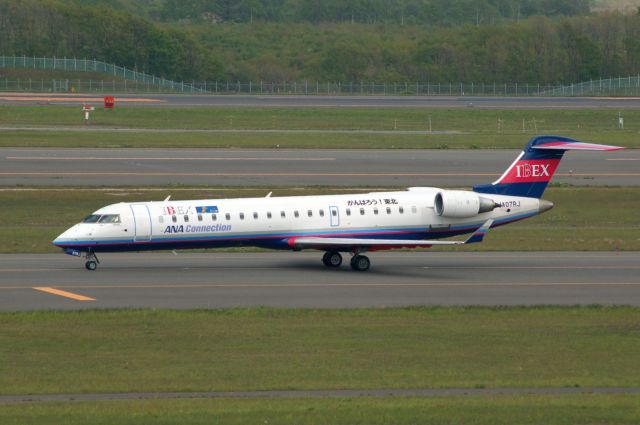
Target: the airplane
pixel 335 224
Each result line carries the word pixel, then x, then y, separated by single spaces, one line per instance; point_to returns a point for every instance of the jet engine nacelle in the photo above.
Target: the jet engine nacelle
pixel 461 204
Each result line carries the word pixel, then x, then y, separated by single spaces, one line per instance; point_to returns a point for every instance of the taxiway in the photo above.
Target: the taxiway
pixel 286 279
pixel 274 167
pixel 313 101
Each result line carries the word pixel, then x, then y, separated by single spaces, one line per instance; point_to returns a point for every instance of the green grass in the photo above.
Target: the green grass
pixel 472 128
pixel 507 410
pixel 582 219
pixel 263 349
pixel 46 75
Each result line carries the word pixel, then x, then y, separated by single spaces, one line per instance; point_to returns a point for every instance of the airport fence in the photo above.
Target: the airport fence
pixel 145 81
pixel 123 80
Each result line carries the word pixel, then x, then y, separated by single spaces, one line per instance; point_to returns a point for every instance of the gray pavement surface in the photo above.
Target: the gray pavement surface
pixel 288 279
pixel 173 100
pixel 246 167
pixel 417 392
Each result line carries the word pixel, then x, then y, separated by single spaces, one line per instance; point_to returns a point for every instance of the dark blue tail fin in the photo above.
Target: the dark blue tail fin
pixel 533 169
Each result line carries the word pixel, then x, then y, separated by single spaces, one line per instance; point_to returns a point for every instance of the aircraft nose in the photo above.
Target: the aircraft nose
pixel 57 241
pixel 63 237
pixel 544 205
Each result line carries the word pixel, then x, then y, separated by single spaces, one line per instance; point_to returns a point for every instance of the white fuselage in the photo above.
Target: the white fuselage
pixel 273 222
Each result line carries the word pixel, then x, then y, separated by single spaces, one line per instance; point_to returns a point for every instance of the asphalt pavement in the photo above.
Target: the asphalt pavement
pixel 288 279
pixel 249 167
pixel 313 101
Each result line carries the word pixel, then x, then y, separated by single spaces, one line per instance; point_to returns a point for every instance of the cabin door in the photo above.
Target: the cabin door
pixel 142 220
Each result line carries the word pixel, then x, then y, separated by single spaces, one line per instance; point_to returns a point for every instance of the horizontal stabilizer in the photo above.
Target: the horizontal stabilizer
pixel 531 172
pixel 574 146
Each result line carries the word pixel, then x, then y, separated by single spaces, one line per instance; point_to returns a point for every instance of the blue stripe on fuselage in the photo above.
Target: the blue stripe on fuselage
pixel 276 240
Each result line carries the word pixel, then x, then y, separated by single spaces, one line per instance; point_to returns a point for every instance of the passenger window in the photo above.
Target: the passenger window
pixel 414 210
pixel 269 214
pixel 282 214
pixel 214 217
pixel 310 213
pixel 334 213
pixel 241 216
pixel 174 218
pixel 321 212
pixel 296 214
pixel 361 211
pixel 186 218
pixel 348 211
pixel 401 210
pixel 388 210
pixel 375 211
pixel 255 215
pixel 227 216
pixel 199 217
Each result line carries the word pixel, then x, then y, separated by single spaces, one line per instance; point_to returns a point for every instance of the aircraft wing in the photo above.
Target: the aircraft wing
pixel 326 243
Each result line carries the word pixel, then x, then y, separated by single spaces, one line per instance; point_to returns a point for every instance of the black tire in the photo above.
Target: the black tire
pixel 91 265
pixel 325 259
pixel 360 263
pixel 334 259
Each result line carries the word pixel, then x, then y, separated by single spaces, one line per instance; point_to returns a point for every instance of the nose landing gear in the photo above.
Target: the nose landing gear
pixel 92 261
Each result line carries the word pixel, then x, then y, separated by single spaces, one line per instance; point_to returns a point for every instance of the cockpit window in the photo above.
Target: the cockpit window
pixel 91 219
pixel 110 218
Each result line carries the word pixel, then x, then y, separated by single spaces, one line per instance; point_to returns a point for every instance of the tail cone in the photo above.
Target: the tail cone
pixel 544 206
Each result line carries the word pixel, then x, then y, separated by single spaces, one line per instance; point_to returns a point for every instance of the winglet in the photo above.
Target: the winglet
pixel 479 234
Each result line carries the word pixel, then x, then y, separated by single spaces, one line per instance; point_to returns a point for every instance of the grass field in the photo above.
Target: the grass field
pixel 262 349
pixel 582 219
pixel 501 410
pixel 467 128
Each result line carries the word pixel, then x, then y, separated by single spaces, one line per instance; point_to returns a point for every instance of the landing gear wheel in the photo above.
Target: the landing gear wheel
pixel 360 263
pixel 91 265
pixel 332 259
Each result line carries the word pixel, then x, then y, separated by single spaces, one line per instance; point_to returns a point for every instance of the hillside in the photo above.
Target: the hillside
pixel 409 12
pixel 626 6
pixel 536 49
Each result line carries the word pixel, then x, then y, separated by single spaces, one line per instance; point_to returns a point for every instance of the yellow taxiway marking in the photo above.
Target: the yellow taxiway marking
pixel 63 293
pixel 116 158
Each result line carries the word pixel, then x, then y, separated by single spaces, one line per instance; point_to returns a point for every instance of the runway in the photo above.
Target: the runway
pixel 287 279
pixel 312 101
pixel 248 167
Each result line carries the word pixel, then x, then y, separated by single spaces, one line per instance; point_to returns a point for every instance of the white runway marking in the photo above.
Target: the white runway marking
pixel 95 158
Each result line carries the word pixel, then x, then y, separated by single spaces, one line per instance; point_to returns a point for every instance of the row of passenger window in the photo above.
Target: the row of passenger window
pixel 296 214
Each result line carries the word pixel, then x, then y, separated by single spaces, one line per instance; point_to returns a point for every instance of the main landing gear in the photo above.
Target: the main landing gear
pixel 332 259
pixel 359 262
pixel 92 261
